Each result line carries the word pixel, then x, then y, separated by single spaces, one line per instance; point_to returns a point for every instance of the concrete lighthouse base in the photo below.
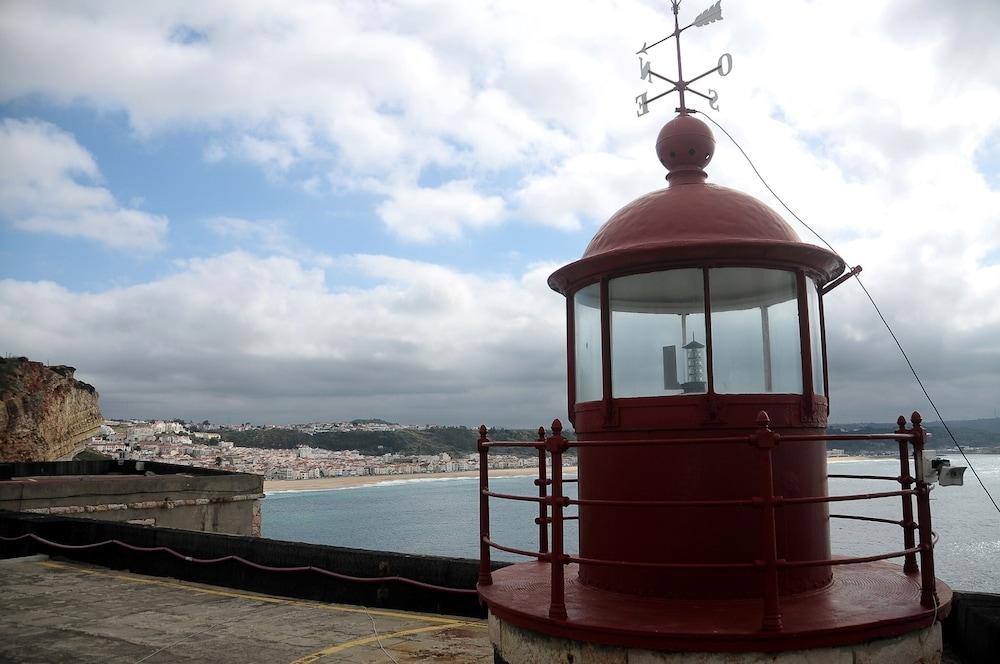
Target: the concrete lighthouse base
pixel 516 645
pixel 871 612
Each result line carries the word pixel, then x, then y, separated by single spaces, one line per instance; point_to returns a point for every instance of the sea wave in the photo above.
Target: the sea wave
pixel 382 483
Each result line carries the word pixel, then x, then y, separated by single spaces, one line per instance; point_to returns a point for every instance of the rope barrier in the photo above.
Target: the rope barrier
pixel 249 563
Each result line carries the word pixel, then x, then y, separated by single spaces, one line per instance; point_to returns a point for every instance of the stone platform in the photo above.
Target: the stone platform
pixel 59 612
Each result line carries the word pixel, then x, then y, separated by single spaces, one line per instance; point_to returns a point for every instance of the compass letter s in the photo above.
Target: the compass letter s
pixel 643 108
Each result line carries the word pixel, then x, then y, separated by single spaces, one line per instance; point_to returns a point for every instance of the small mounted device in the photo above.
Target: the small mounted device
pixel 941 471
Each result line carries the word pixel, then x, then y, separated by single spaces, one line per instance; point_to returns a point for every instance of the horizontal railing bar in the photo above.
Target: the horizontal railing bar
pixel 848 561
pixel 510 549
pixel 805 437
pixel 629 563
pixel 869 518
pixel 725 440
pixel 836 499
pixel 661 441
pixel 571 518
pixel 511 496
pixel 569 481
pixel 514 443
pixel 867 477
pixel 662 503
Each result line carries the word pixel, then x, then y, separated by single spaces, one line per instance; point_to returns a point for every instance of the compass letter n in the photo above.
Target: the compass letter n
pixel 644 72
pixel 643 108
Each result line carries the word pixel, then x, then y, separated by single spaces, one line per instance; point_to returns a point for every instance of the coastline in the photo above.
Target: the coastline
pixel 351 481
pixel 329 483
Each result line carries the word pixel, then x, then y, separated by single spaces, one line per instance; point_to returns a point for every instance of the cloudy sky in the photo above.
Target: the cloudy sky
pixel 293 211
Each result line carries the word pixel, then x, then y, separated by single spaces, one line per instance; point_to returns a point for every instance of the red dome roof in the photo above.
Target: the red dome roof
pixel 693 223
pixel 687 213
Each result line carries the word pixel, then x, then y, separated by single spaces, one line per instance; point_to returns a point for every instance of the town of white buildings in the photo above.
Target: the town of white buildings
pixel 174 442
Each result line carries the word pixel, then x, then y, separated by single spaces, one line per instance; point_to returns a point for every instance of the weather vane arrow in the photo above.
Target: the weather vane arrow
pixel 681 86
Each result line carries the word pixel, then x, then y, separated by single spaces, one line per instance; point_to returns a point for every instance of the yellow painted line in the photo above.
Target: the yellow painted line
pixel 445 622
pixel 346 645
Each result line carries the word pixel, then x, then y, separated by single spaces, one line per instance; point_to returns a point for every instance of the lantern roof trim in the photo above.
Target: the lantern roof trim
pixel 819 263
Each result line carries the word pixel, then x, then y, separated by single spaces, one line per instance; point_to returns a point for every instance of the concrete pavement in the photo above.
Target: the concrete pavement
pixel 54 612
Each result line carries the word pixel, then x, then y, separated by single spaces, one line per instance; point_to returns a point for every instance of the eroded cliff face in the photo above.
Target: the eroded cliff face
pixel 46 413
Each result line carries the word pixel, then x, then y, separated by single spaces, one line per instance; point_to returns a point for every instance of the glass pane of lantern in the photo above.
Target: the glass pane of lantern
pixel 755 331
pixel 587 326
pixel 658 333
pixel 815 337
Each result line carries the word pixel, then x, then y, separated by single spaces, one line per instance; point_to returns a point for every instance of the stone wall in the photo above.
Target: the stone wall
pixel 46 414
pixel 310 585
pixel 139 492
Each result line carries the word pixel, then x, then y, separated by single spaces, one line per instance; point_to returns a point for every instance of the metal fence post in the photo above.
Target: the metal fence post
pixel 905 483
pixel 485 575
pixel 928 584
pixel 543 492
pixel 556 445
pixel 765 440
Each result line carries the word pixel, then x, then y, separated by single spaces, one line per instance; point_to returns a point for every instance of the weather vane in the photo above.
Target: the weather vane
pixel 710 15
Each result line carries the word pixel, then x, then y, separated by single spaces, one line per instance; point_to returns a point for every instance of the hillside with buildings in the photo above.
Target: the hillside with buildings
pixel 337 449
pixel 372 437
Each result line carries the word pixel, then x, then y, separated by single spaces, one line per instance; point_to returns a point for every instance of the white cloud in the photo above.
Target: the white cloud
pixel 584 190
pixel 236 334
pixel 421 214
pixel 47 185
pixel 269 234
pixel 526 109
pixel 268 237
pixel 403 87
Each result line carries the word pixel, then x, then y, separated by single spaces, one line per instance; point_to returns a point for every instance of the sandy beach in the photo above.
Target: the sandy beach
pixel 326 483
pixel 271 486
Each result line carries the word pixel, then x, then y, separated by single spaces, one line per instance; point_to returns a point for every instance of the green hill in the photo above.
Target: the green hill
pixel 457 441
pixel 969 433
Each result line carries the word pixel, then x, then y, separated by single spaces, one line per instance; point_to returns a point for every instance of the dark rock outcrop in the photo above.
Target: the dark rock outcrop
pixel 46 414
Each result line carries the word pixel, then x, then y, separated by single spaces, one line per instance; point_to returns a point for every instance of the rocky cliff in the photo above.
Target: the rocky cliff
pixel 46 414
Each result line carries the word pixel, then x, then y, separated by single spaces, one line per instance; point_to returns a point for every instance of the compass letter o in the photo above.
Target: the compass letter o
pixel 725 64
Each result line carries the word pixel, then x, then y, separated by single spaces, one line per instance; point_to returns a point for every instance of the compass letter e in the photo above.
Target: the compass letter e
pixel 643 108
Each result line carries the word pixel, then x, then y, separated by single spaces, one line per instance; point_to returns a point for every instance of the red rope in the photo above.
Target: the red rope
pixel 249 563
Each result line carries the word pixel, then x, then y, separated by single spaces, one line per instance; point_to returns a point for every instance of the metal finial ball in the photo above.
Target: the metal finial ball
pixel 763 419
pixel 482 430
pixel 685 145
pixel 901 421
pixel 556 426
pixel 916 418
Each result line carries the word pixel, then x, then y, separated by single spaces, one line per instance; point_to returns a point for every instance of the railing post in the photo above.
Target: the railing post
pixel 543 492
pixel 485 575
pixel 765 440
pixel 556 445
pixel 910 564
pixel 928 584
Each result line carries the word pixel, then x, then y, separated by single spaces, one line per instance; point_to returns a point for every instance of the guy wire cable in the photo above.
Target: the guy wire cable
pixel 871 299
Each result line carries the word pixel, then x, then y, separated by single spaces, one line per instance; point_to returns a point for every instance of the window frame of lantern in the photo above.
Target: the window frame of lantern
pixel 803 279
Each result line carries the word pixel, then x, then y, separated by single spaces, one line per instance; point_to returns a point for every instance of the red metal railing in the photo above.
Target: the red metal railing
pixel 551 519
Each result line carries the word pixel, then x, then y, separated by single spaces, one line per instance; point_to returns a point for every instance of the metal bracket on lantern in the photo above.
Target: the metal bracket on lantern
pixel 710 15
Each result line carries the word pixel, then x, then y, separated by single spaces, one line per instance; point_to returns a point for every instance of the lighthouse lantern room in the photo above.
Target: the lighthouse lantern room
pixel 698 392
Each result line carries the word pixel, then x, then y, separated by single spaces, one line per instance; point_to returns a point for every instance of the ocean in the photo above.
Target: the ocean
pixel 440 516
